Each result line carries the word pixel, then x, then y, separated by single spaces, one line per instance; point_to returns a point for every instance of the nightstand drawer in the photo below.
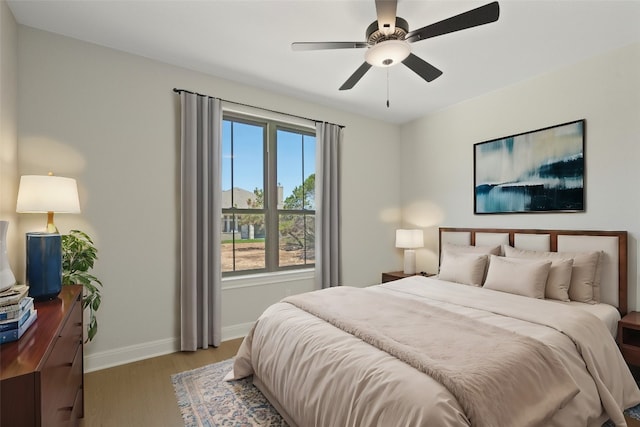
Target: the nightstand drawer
pixel 631 354
pixel 629 338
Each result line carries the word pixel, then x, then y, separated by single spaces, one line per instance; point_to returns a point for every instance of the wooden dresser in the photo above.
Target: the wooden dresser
pixel 42 374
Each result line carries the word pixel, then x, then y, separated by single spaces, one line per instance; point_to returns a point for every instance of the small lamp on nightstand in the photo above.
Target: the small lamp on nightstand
pixel 50 194
pixel 409 240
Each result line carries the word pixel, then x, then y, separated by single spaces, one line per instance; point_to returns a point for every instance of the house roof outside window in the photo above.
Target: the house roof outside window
pixel 243 198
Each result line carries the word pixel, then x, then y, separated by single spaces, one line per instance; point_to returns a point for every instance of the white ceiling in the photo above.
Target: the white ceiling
pixel 249 41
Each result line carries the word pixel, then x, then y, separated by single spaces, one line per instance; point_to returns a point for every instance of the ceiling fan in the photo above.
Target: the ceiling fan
pixel 388 39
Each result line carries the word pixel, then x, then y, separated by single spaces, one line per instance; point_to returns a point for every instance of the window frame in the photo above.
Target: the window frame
pixel 270 188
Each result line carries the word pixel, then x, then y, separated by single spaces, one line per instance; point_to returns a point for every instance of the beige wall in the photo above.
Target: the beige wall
pixel 437 152
pixel 111 121
pixel 8 130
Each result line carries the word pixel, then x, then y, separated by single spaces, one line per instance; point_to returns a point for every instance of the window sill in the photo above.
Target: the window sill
pixel 262 279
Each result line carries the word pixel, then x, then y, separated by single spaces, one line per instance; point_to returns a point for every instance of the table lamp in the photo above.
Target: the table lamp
pixel 409 240
pixel 50 194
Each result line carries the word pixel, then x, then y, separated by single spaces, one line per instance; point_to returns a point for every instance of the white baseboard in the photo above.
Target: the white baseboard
pixel 134 353
pixel 236 331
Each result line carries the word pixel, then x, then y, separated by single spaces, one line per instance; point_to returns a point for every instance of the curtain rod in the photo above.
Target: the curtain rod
pixel 176 90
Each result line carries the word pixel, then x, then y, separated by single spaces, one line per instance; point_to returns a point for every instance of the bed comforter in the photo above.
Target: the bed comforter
pixel 319 375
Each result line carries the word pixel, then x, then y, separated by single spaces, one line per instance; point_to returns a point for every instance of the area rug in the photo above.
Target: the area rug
pixel 206 400
pixel 630 413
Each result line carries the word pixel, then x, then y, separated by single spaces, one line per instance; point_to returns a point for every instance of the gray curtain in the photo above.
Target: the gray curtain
pixel 328 141
pixel 201 210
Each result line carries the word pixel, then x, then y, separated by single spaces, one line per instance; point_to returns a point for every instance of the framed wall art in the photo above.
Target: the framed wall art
pixel 537 171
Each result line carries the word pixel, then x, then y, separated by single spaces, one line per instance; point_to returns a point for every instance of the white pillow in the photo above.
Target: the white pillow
pixel 477 250
pixel 518 276
pixel 585 272
pixel 559 279
pixel 467 269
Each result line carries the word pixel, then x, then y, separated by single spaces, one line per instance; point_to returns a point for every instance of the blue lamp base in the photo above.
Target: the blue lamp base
pixel 44 265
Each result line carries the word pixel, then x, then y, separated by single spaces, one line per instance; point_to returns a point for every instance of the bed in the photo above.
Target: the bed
pixel 476 345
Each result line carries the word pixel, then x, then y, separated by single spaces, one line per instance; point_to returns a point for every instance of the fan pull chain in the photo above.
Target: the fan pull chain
pixel 388 87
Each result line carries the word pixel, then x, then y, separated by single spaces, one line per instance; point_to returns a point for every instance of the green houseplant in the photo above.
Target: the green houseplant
pixel 78 256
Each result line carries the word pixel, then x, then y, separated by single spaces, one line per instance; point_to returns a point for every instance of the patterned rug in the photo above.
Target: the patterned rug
pixel 206 400
pixel 631 413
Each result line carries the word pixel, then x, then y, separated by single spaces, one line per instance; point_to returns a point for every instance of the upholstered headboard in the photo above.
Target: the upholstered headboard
pixel 613 244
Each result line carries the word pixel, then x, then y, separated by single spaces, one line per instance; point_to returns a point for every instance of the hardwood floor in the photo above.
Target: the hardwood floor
pixel 140 393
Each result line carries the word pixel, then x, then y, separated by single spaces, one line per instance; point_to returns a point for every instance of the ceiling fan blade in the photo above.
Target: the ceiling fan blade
pixel 327 45
pixel 386 11
pixel 422 67
pixel 479 16
pixel 355 77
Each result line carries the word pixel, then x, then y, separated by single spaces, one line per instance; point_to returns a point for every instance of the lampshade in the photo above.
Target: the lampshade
pixel 387 53
pixel 47 193
pixel 409 239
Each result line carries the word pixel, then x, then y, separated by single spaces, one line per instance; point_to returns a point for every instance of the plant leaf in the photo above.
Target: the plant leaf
pixel 78 257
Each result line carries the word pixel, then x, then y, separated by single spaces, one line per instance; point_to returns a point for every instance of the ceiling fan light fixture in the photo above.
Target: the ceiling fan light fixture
pixel 387 53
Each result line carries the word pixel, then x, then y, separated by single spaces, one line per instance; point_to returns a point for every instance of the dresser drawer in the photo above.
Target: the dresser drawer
pixel 71 334
pixel 76 375
pixel 61 374
pixel 78 409
pixel 63 388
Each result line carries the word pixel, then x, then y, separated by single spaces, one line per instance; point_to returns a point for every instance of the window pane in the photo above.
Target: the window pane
pixel 309 165
pixel 289 168
pixel 296 170
pixel 243 242
pixel 226 164
pixel 242 165
pixel 297 239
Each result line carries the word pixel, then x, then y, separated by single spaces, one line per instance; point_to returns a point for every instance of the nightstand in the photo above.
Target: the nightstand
pixel 395 275
pixel 629 337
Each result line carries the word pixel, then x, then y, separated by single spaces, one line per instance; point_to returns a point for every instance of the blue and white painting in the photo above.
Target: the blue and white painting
pixel 539 171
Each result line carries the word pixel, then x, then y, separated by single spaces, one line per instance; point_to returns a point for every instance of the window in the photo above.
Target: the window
pixel 268 196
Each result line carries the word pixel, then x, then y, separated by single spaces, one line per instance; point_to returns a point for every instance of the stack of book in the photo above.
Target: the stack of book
pixel 16 313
